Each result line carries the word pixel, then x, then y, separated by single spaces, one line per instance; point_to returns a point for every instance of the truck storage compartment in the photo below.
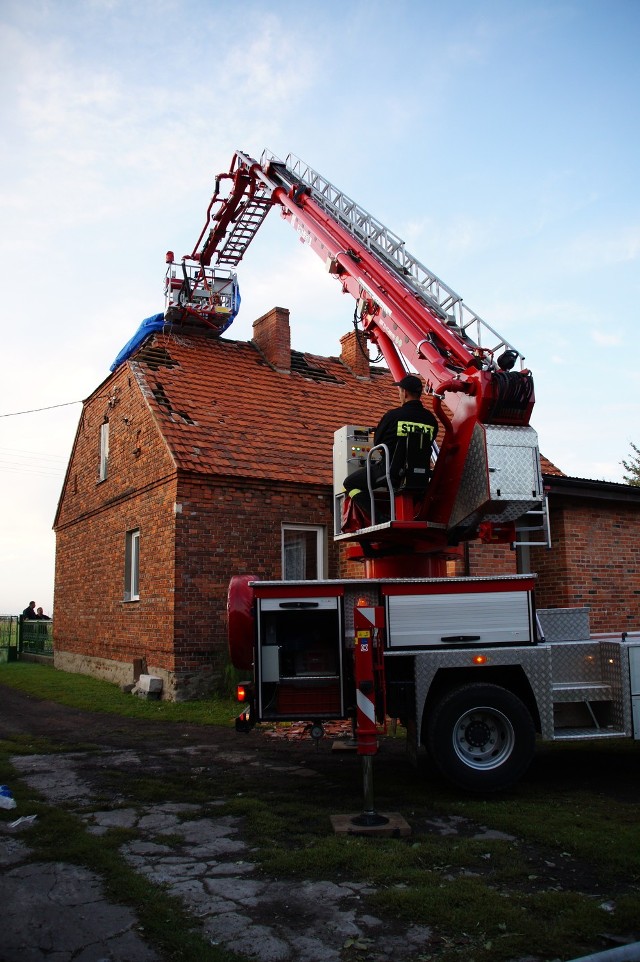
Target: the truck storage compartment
pixel 300 658
pixel 455 612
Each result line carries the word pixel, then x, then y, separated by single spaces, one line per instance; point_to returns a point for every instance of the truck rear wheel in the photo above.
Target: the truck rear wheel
pixel 481 737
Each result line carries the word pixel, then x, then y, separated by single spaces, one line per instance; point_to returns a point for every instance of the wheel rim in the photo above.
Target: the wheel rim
pixel 483 738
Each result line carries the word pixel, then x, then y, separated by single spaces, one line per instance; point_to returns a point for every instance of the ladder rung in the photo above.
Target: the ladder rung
pixel 249 221
pixel 543 527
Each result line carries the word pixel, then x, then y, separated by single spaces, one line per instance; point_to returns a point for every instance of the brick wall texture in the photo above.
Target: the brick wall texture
pixel 595 562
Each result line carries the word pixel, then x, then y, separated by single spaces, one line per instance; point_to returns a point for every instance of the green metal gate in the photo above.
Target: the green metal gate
pixel 9 637
pixel 36 638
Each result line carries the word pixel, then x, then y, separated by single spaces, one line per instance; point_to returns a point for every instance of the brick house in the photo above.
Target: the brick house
pixel 202 457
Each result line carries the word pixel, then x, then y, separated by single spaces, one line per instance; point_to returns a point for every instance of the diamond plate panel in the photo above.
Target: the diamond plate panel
pixel 535 662
pixel 510 511
pixel 615 672
pixel 501 480
pixel 593 663
pixel 565 624
pixel 514 463
pixel 576 663
pixel 473 491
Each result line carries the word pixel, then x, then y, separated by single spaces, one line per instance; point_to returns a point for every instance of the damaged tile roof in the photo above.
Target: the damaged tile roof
pixel 225 410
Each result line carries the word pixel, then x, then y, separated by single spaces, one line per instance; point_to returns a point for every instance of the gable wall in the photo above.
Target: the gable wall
pixel 137 453
pixel 95 630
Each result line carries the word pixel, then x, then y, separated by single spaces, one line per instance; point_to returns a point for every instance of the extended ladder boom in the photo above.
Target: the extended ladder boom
pixel 416 321
pixel 440 299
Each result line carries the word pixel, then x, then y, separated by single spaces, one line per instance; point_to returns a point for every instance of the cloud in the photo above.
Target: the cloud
pixel 92 142
pixel 606 340
pixel 597 250
pixel 460 235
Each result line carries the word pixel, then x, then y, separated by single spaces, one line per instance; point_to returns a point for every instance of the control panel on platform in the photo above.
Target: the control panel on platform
pixel 351 445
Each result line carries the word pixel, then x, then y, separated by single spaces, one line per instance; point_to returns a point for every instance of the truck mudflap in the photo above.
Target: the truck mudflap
pixel 245 721
pixel 245 693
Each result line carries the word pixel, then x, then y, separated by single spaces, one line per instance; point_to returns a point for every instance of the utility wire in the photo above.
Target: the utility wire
pixel 14 414
pixel 21 453
pixel 31 462
pixel 31 469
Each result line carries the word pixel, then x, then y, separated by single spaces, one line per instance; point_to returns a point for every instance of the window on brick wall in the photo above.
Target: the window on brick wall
pixel 104 450
pixel 303 552
pixel 132 565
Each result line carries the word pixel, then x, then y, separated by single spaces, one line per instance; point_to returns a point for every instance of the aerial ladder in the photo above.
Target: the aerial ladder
pixel 487 472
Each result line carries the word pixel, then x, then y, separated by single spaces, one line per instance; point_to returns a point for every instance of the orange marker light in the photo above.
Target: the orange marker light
pixel 480 659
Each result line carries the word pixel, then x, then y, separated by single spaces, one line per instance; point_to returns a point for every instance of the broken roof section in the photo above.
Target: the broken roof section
pixel 225 409
pixel 258 409
pixel 150 324
pixel 193 295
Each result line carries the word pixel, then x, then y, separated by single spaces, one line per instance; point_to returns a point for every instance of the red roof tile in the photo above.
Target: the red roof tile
pixel 549 468
pixel 225 411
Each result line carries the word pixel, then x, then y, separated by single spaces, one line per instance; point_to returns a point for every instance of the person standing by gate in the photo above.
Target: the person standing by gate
pixel 29 613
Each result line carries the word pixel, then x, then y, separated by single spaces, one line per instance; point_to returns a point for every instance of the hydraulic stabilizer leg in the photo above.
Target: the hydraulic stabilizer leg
pixel 367 736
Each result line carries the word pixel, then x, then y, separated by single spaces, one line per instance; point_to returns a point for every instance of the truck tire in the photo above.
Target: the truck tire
pixel 481 737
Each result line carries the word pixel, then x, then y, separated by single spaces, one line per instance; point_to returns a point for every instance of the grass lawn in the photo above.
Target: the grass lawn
pixel 547 871
pixel 91 694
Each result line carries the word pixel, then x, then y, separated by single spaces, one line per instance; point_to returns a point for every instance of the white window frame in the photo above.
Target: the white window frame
pixel 104 450
pixel 321 552
pixel 132 565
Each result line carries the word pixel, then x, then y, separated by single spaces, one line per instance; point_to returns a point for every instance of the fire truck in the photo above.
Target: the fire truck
pixel 468 665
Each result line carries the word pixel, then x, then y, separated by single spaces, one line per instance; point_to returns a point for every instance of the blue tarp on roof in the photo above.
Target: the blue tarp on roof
pixel 150 324
pixel 158 321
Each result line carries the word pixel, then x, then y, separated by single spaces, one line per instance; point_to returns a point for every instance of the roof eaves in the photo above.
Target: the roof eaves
pixel 590 488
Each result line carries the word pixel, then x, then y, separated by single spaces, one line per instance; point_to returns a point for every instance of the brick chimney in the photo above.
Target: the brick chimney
pixel 272 336
pixel 355 353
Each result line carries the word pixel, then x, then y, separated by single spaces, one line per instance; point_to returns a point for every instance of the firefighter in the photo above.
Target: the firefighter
pixel 398 423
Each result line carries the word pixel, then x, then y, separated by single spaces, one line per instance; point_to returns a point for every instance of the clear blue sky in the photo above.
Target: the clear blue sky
pixel 499 139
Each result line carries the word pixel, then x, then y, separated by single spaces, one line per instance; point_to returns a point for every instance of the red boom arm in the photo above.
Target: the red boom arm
pixel 399 316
